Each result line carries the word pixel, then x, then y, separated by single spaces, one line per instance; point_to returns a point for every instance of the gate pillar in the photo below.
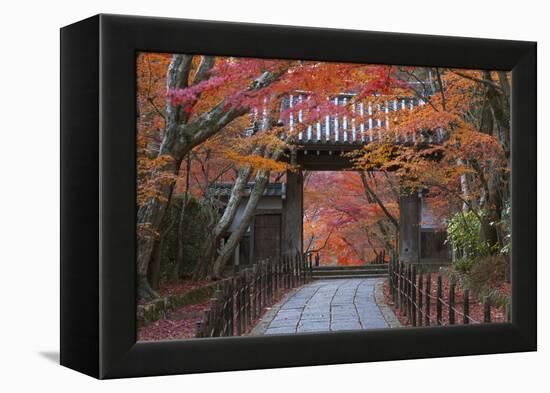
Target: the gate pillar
pixel 410 210
pixel 293 213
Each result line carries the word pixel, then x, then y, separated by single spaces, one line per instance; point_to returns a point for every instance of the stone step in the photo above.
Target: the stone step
pixel 349 272
pixel 344 277
pixel 344 268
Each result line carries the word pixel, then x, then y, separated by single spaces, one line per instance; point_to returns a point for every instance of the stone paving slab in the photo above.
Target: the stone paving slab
pixel 331 305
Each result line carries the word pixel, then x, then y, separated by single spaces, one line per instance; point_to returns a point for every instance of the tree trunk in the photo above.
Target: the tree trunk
pixel 495 121
pixel 204 266
pixel 181 220
pixel 153 274
pixel 150 216
pixel 235 237
pixel 179 138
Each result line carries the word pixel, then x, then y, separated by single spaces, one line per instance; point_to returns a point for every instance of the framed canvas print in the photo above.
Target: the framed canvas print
pixel 240 196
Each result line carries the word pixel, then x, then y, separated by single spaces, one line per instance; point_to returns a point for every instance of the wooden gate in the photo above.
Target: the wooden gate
pixel 267 236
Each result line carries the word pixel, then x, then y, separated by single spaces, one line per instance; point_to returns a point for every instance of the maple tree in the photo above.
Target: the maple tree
pixel 202 96
pixel 203 120
pixel 344 222
pixel 471 164
pixel 198 97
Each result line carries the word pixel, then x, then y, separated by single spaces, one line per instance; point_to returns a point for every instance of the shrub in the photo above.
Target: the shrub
pixel 193 222
pixel 464 234
pixel 487 274
pixel 463 265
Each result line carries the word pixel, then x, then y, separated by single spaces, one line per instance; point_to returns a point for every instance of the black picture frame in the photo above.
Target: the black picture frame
pixel 98 196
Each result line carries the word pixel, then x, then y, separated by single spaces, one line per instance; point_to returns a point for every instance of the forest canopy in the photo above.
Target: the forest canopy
pixel 203 121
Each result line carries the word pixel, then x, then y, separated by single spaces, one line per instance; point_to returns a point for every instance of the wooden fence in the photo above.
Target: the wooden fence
pixel 240 299
pixel 411 293
pixel 379 259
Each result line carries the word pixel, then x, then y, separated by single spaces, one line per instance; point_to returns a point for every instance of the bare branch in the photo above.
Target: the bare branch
pixel 370 192
pixel 483 81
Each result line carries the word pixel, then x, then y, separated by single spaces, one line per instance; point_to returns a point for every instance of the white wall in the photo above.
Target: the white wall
pixel 30 195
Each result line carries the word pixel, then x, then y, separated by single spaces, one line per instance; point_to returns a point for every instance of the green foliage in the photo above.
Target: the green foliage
pixel 194 228
pixel 464 265
pixel 506 229
pixel 464 234
pixel 479 267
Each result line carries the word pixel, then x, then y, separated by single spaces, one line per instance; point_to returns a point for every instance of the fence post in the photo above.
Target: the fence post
pixel 419 300
pixel 228 308
pixel 287 271
pixel 246 273
pixel 293 271
pixel 298 272
pixel 282 285
pixel 215 317
pixel 207 324
pixel 304 268
pixel 297 269
pixel 466 306
pixel 262 286
pixel 390 282
pixel 253 293
pixel 227 302
pixel 244 301
pixel 413 296
pixel 486 310
pixel 235 290
pixel 409 292
pixel 278 276
pixel 393 282
pixel 270 281
pixel 402 297
pixel 428 294
pixel 405 292
pixel 257 289
pixel 400 287
pixel 266 282
pixel 452 285
pixel 438 300
pixel 198 329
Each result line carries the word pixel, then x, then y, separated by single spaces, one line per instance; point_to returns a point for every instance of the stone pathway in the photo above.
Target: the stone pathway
pixel 329 305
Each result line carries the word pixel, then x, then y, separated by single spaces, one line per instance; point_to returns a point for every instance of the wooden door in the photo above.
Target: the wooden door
pixel 267 236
